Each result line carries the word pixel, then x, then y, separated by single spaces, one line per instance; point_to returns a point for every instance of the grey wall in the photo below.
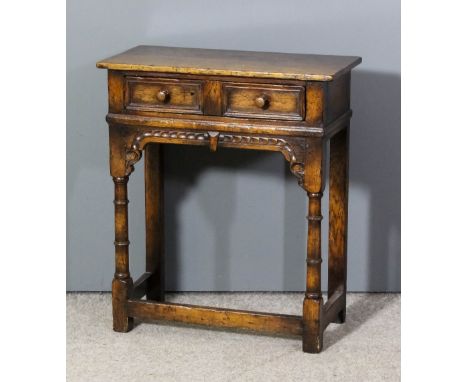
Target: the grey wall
pixel 235 219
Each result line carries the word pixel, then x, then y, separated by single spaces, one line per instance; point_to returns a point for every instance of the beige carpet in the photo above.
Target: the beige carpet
pixel 366 348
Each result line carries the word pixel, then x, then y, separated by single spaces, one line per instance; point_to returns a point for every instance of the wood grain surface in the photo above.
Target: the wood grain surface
pixel 289 103
pixel 231 63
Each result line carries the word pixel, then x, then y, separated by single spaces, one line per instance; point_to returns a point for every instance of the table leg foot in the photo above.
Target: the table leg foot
pixel 312 337
pixel 120 290
pixel 341 318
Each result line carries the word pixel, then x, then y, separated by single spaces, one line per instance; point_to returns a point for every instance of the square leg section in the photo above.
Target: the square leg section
pixel 154 207
pixel 338 218
pixel 312 336
pixel 120 290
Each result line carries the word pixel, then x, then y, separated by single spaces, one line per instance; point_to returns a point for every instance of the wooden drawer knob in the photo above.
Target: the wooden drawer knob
pixel 163 96
pixel 262 101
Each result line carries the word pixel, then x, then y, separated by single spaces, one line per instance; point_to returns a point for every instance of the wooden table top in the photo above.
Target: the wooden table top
pixel 231 63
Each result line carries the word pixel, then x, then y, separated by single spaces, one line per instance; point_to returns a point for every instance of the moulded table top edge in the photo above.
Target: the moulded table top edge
pixel 236 63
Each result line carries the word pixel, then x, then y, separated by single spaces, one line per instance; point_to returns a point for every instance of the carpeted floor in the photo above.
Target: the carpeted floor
pixel 365 349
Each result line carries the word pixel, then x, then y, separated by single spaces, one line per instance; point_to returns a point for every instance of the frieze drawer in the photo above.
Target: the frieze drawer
pixel 163 95
pixel 263 101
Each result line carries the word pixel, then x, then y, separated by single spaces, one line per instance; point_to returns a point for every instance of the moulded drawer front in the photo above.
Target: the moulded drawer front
pixel 263 101
pixel 163 95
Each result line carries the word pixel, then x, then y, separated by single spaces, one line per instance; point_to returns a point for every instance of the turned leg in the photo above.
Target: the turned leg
pixel 122 283
pixel 312 338
pixel 154 222
pixel 338 217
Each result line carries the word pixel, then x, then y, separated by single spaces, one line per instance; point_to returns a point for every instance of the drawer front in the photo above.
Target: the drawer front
pixel 163 95
pixel 263 101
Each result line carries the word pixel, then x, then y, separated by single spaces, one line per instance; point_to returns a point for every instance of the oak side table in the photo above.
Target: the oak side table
pixel 289 103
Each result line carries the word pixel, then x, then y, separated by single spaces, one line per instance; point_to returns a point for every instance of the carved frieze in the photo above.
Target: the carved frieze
pixel 291 149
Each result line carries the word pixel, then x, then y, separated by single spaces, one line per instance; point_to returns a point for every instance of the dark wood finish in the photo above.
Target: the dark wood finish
pixel 224 318
pixel 335 304
pixel 206 78
pixel 338 214
pixel 154 206
pixel 263 101
pixel 225 124
pixel 338 97
pixel 316 103
pixel 212 96
pixel 312 340
pixel 291 104
pixel 115 82
pixel 231 63
pixel 327 101
pixel 163 95
pixel 122 283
